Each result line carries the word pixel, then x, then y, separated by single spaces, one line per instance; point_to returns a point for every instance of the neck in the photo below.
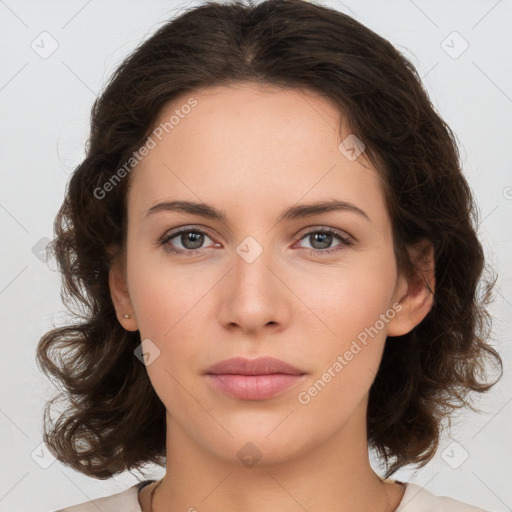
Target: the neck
pixel 332 475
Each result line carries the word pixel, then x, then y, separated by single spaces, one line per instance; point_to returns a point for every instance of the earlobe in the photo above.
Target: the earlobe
pixel 416 296
pixel 121 298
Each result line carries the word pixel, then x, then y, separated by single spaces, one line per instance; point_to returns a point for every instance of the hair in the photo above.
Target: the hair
pixel 114 420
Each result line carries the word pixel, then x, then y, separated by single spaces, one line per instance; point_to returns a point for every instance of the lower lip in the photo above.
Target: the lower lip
pixel 253 387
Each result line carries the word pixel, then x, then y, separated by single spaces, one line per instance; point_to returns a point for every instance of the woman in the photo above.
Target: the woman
pixel 276 257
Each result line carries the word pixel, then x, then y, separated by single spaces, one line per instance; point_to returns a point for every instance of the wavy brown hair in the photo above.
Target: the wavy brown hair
pixel 114 420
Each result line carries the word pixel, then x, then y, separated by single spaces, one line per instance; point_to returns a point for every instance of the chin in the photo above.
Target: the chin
pixel 256 448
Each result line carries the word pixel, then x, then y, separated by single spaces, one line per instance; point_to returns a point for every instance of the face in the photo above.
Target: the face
pixel 316 291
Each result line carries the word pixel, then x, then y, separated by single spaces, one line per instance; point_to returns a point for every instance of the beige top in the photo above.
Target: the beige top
pixel 415 499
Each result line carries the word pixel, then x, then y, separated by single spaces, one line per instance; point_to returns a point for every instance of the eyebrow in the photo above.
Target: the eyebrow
pixel 294 212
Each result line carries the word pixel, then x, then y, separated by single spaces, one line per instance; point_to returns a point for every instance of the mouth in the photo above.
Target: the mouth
pixel 253 387
pixel 257 379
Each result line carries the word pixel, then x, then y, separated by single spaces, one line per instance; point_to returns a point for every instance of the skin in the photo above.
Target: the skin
pixel 253 151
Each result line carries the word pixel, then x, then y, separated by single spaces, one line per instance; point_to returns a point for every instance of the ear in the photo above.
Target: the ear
pixel 120 296
pixel 416 296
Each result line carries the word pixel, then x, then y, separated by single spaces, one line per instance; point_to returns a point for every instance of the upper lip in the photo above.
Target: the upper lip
pixel 259 366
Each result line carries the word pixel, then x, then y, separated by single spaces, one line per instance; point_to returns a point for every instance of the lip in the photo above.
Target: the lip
pixel 253 379
pixel 259 366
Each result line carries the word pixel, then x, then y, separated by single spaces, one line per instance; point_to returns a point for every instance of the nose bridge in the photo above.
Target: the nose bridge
pixel 252 297
pixel 251 265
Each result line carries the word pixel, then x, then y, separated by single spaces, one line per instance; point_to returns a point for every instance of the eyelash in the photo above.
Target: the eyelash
pixel 345 241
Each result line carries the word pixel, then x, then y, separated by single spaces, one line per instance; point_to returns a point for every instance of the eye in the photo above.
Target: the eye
pixel 190 239
pixel 322 239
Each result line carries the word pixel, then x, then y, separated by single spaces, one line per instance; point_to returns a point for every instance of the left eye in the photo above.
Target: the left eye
pixel 191 241
pixel 323 238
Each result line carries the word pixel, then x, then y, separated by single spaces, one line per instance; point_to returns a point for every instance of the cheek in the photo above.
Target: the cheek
pixel 164 295
pixel 343 302
pixel 351 307
pixel 167 307
pixel 170 302
pixel 348 354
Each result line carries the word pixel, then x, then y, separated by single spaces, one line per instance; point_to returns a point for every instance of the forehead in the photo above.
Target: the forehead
pixel 253 119
pixel 248 142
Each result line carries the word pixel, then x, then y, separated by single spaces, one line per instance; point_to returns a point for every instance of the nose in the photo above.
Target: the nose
pixel 253 294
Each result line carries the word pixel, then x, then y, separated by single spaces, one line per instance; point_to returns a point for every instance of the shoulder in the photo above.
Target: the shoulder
pixel 128 501
pixel 418 499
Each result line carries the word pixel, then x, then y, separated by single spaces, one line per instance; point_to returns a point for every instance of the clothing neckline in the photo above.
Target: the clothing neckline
pixel 406 485
pixel 143 484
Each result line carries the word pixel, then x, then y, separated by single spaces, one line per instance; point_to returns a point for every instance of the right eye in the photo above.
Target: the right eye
pixel 191 240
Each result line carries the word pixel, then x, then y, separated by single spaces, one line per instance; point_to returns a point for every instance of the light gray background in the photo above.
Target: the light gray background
pixel 45 105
